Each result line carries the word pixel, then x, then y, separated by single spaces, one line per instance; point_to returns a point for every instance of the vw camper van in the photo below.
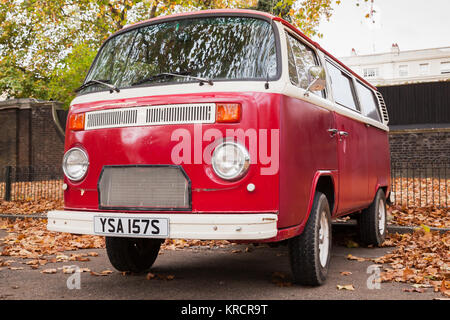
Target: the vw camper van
pixel 223 124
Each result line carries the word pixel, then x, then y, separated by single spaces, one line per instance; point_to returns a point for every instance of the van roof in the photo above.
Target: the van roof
pixel 253 13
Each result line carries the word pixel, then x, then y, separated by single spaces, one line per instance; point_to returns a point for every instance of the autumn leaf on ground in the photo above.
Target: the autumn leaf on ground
pixel 352 257
pixel 418 290
pixel 158 276
pixel 351 244
pixel 422 217
pixel 98 274
pixel 15 268
pixel 280 279
pixel 444 289
pixel 349 287
pixel 345 273
pixel 106 272
pixel 49 271
pixel 93 254
pixel 68 269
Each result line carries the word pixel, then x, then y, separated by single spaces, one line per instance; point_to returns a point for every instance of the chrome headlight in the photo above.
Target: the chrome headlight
pixel 75 164
pixel 230 160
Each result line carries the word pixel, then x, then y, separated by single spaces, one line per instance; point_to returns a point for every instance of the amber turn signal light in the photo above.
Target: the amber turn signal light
pixel 76 122
pixel 228 112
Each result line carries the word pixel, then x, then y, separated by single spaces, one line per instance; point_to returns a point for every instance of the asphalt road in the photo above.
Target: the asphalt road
pixel 203 273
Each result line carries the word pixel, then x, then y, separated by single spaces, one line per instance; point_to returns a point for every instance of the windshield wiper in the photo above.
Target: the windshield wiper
pixel 101 82
pixel 170 74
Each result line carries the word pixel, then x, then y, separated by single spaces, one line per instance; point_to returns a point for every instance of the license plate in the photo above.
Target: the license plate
pixel 132 226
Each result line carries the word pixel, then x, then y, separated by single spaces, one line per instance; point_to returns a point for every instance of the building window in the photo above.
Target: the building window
pixel 445 67
pixel 370 72
pixel 403 70
pixel 424 69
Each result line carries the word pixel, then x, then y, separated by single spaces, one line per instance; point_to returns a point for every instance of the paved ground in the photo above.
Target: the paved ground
pixel 201 273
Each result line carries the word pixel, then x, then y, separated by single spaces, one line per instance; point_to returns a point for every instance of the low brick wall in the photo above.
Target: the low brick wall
pixel 420 145
pixel 28 136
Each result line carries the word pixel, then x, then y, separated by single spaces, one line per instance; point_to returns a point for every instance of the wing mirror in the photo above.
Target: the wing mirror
pixel 316 79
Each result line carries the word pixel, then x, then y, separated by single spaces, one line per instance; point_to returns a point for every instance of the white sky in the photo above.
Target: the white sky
pixel 412 24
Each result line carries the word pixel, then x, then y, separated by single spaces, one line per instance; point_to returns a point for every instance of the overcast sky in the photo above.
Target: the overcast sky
pixel 412 24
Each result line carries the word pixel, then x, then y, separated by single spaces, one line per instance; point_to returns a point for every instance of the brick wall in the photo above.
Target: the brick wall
pixel 28 136
pixel 421 146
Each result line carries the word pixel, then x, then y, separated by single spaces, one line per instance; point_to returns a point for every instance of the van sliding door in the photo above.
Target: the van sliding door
pixel 352 143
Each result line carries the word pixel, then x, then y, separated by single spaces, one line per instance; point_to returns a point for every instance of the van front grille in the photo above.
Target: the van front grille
pixel 151 115
pixel 144 187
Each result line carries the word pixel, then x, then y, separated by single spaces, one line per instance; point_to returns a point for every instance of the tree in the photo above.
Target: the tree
pixel 46 46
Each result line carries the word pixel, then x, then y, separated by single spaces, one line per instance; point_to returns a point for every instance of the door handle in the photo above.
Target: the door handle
pixel 332 132
pixel 343 133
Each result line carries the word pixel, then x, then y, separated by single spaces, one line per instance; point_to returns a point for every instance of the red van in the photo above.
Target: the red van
pixel 223 124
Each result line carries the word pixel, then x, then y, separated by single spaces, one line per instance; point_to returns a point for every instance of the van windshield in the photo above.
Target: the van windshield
pixel 218 48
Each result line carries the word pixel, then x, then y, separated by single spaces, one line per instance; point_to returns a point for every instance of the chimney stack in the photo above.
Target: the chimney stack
pixel 395 48
pixel 353 52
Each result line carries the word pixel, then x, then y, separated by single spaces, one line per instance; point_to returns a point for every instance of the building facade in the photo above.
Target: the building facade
pixel 416 87
pixel 402 67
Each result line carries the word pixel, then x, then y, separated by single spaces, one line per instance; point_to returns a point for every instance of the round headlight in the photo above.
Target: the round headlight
pixel 230 160
pixel 75 164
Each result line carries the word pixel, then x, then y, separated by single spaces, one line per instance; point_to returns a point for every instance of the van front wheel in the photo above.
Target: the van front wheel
pixel 310 252
pixel 132 254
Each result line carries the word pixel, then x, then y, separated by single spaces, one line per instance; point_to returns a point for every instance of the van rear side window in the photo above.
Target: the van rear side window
pixel 342 86
pixel 369 105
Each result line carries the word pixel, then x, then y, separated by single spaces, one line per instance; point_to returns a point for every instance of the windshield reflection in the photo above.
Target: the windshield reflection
pixel 218 48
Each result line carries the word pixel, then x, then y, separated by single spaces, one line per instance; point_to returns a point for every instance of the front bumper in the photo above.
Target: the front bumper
pixel 181 226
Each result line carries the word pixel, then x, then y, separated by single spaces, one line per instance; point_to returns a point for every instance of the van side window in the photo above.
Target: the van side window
pixel 342 86
pixel 300 58
pixel 369 104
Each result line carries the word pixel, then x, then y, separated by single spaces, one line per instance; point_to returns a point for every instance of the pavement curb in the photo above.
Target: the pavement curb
pixel 393 228
pixel 22 216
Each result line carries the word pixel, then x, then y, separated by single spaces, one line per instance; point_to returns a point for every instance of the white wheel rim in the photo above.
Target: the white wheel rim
pixel 324 239
pixel 381 216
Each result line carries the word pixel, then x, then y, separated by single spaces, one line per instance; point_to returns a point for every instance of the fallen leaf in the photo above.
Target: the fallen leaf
pixel 346 287
pixel 351 244
pixel 49 271
pixel 345 273
pixel 419 290
pixel 352 257
pixel 106 272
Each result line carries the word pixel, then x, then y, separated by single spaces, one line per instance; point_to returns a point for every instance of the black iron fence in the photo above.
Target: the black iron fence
pixel 31 183
pixel 420 185
pixel 412 185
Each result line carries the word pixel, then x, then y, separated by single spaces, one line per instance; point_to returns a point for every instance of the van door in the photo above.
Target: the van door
pixel 352 143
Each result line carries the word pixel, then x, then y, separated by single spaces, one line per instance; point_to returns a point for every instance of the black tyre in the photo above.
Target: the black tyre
pixel 372 221
pixel 132 254
pixel 310 252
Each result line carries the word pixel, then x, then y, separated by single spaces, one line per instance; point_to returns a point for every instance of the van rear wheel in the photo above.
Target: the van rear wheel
pixel 372 221
pixel 132 254
pixel 310 252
